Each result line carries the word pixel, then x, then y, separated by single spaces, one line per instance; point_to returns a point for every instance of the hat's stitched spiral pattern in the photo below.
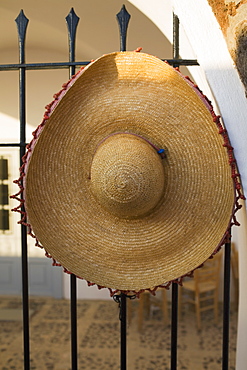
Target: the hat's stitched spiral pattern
pixel 127 176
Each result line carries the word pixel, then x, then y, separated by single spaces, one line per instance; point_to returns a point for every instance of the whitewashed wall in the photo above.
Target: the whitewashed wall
pixel 10 241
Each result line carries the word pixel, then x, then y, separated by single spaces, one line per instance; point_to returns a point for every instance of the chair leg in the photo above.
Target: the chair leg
pixel 180 291
pixel 216 306
pixel 164 306
pixel 236 293
pixel 140 312
pixel 198 315
pixel 129 311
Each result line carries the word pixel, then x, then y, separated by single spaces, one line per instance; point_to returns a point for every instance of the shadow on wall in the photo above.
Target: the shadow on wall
pixel 241 52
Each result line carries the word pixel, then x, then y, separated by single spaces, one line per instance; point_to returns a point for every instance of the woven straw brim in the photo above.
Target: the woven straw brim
pixel 136 93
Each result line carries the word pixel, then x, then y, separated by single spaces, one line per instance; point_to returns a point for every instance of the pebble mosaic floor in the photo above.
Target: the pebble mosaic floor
pixel 98 338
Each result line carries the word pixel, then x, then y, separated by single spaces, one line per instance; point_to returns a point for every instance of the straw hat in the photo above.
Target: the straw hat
pixel 127 182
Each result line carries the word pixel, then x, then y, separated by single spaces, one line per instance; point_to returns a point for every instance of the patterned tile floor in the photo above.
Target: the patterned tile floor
pixel 98 338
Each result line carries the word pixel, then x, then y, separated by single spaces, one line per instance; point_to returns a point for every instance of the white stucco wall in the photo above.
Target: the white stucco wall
pixel 10 240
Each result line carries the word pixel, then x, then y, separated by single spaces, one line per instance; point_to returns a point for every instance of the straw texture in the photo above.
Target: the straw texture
pixel 100 199
pixel 127 176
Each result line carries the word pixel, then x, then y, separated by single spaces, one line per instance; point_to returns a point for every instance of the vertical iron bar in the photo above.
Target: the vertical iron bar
pixel 123 18
pixel 73 321
pixel 22 22
pixel 226 306
pixel 72 21
pixel 175 38
pixel 174 326
pixel 174 313
pixel 123 332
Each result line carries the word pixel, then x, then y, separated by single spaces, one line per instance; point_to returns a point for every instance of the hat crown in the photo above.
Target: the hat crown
pixel 127 176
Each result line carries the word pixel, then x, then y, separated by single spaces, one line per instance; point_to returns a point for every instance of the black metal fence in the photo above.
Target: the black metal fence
pixel 72 20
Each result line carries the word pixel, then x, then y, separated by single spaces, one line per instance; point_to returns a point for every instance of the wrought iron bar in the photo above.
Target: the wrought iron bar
pixel 174 313
pixel 182 62
pixel 72 22
pixel 123 18
pixel 37 66
pixel 65 65
pixel 22 22
pixel 226 306
pixel 175 37
pixel 174 326
pixel 123 332
pixel 73 321
pixel 13 144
